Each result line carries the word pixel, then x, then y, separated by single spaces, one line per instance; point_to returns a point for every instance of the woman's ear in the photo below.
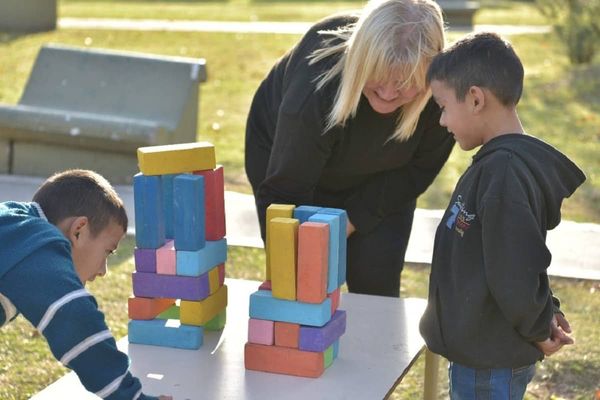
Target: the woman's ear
pixel 476 97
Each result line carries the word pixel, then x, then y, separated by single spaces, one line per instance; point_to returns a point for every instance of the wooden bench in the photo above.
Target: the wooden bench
pixel 92 108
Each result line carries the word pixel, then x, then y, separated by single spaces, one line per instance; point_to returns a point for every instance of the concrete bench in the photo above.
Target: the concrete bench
pixel 27 15
pixel 458 14
pixel 92 108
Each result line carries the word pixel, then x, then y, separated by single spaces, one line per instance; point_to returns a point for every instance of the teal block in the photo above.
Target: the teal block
pixel 189 212
pixel 334 248
pixel 303 213
pixel 336 348
pixel 149 217
pixel 342 241
pixel 166 333
pixel 167 191
pixel 264 306
pixel 196 263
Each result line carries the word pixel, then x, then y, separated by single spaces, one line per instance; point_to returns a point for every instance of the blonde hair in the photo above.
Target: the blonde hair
pixel 392 38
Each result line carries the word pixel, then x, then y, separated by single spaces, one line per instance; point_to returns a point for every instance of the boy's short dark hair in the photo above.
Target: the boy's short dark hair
pixel 481 59
pixel 81 193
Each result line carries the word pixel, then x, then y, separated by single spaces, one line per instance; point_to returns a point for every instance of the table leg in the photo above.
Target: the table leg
pixel 432 363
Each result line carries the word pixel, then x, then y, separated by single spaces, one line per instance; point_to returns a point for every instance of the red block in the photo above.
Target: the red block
pixel 287 334
pixel 146 307
pixel 266 285
pixel 313 252
pixel 335 300
pixel 221 274
pixel 214 192
pixel 283 360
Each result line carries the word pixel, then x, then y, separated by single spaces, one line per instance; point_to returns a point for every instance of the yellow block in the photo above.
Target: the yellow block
pixel 176 158
pixel 276 211
pixel 213 279
pixel 200 312
pixel 283 249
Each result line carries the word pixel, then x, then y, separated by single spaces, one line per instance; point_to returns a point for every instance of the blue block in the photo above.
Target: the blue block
pixel 343 241
pixel 167 333
pixel 188 209
pixel 264 306
pixel 334 247
pixel 167 186
pixel 149 217
pixel 195 263
pixel 303 213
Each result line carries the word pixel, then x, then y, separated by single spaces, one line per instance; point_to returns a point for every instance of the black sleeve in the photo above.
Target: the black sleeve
pixel 515 260
pixel 298 156
pixel 387 192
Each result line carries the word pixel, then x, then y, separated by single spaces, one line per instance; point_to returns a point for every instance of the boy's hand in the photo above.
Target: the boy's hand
pixel 549 346
pixel 560 327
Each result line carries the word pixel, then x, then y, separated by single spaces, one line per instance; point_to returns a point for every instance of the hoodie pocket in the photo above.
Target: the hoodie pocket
pixel 431 324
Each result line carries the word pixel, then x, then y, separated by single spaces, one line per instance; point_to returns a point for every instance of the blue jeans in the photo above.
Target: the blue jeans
pixel 489 384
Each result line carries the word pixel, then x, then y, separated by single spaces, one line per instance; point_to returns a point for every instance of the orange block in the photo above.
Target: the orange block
pixel 335 300
pixel 283 360
pixel 287 334
pixel 147 308
pixel 313 253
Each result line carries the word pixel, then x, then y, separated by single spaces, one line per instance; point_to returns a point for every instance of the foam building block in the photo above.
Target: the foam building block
pixel 319 339
pixel 303 213
pixel 287 334
pixel 170 313
pixel 328 357
pixel 335 300
pixel 336 348
pixel 145 260
pixel 342 241
pixel 261 331
pixel 283 251
pixel 166 258
pixel 283 360
pixel 334 243
pixel 214 193
pixel 167 191
pixel 214 282
pixel 176 158
pixel 169 333
pixel 149 218
pixel 264 306
pixel 313 255
pixel 275 211
pixel 147 308
pixel 189 213
pixel 200 312
pixel 171 286
pixel 194 263
pixel 218 322
pixel 221 268
pixel 266 285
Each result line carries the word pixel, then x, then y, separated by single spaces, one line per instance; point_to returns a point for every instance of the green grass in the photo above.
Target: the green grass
pixel 560 105
pixel 26 365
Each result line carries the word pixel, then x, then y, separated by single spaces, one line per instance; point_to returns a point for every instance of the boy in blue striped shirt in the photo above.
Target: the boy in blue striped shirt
pixel 50 248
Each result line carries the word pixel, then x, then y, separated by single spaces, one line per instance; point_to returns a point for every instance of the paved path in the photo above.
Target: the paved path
pixel 295 28
pixel 575 246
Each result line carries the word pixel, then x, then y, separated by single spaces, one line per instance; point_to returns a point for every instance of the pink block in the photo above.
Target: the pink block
pixel 335 300
pixel 266 285
pixel 221 274
pixel 260 331
pixel 166 259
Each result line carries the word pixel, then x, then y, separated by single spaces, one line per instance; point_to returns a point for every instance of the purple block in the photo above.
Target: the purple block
pixel 171 286
pixel 319 339
pixel 145 260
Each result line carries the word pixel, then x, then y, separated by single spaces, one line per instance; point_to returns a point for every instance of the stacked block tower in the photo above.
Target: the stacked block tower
pixel 180 254
pixel 295 324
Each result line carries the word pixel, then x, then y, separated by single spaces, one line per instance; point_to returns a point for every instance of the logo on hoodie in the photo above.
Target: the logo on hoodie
pixel 459 219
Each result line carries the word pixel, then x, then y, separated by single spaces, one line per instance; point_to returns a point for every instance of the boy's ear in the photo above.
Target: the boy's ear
pixel 76 228
pixel 477 99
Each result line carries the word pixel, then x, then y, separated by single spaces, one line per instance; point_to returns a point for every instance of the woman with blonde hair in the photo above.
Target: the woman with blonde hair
pixel 345 119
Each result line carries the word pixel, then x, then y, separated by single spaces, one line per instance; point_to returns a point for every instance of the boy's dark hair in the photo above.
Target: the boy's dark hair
pixel 484 60
pixel 81 193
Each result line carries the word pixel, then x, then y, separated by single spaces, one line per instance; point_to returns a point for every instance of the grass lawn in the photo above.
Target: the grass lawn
pixel 560 105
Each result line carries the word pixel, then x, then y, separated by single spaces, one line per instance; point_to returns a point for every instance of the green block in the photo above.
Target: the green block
pixel 218 322
pixel 170 313
pixel 328 357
